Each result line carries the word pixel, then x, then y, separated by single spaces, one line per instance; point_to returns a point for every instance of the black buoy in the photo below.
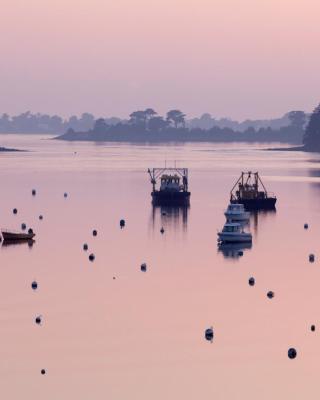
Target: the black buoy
pixel 91 257
pixel 252 281
pixel 43 372
pixel 311 257
pixel 23 226
pixel 114 278
pixel 30 231
pixel 143 267
pixel 209 334
pixel 306 226
pixel 122 223
pixel 270 294
pixel 94 232
pixel 292 353
pixel 38 320
pixel 34 192
pixel 313 328
pixel 65 195
pixel 34 285
pixel 240 253
pixel 162 230
pixel 85 247
pixel 41 217
pixel 15 211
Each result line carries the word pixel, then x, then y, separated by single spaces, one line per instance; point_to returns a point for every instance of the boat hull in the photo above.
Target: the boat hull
pixel 12 236
pixel 257 204
pixel 237 217
pixel 168 198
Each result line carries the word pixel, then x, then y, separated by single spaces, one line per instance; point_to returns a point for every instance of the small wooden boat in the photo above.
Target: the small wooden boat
pixel 17 236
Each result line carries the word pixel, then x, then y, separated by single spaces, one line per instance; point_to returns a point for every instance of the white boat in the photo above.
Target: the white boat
pixel 236 212
pixel 233 232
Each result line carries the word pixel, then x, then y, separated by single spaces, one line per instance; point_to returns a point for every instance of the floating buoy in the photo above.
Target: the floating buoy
pixel 91 257
pixel 252 281
pixel 94 232
pixel 270 294
pixel 311 257
pixel 292 353
pixel 313 328
pixel 306 226
pixel 114 277
pixel 34 192
pixel 85 247
pixel 43 372
pixel 30 231
pixel 122 223
pixel 40 217
pixel 65 195
pixel 209 334
pixel 34 285
pixel 143 267
pixel 240 253
pixel 15 211
pixel 38 320
pixel 23 226
pixel 162 230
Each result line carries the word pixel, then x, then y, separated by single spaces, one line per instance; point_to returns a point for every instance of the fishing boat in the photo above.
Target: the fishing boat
pixel 247 191
pixel 173 189
pixel 236 212
pixel 16 236
pixel 233 232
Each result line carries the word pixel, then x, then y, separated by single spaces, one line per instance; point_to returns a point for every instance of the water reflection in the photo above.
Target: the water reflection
pixel 172 218
pixel 257 217
pixel 233 250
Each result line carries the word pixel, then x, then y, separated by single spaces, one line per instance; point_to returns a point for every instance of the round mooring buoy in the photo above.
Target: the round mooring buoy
pixel 38 320
pixel 34 285
pixel 23 226
pixel 94 233
pixel 34 192
pixel 240 253
pixel 306 226
pixel 251 281
pixel 292 353
pixel 43 372
pixel 311 257
pixel 65 195
pixel 122 223
pixel 313 328
pixel 270 294
pixel 15 211
pixel 162 230
pixel 209 334
pixel 85 247
pixel 91 257
pixel 143 267
pixel 41 217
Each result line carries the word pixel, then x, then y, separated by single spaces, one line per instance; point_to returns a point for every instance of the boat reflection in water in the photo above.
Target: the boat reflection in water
pixel 233 250
pixel 257 217
pixel 170 217
pixel 8 243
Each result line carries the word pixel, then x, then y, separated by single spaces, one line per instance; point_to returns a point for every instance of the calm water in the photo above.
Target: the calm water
pixel 141 335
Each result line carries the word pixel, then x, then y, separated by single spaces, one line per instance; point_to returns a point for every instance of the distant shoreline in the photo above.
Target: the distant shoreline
pixel 6 150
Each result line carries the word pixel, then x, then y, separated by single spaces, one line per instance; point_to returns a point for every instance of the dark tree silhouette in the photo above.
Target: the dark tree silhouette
pixel 297 119
pixel 100 126
pixel 157 124
pixel 176 117
pixel 138 118
pixel 311 139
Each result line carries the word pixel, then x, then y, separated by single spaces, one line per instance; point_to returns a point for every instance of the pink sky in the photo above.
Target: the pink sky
pixel 236 58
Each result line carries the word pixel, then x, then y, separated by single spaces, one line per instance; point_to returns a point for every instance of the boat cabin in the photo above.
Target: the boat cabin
pixel 231 228
pixel 236 208
pixel 170 182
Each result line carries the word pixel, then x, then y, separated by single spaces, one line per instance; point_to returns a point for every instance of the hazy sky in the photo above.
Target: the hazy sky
pixel 236 58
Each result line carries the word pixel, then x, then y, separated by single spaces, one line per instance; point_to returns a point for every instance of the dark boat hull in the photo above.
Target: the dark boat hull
pixel 167 198
pixel 257 204
pixel 12 236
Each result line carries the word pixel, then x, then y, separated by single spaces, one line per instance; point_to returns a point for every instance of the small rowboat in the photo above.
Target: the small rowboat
pixel 16 236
